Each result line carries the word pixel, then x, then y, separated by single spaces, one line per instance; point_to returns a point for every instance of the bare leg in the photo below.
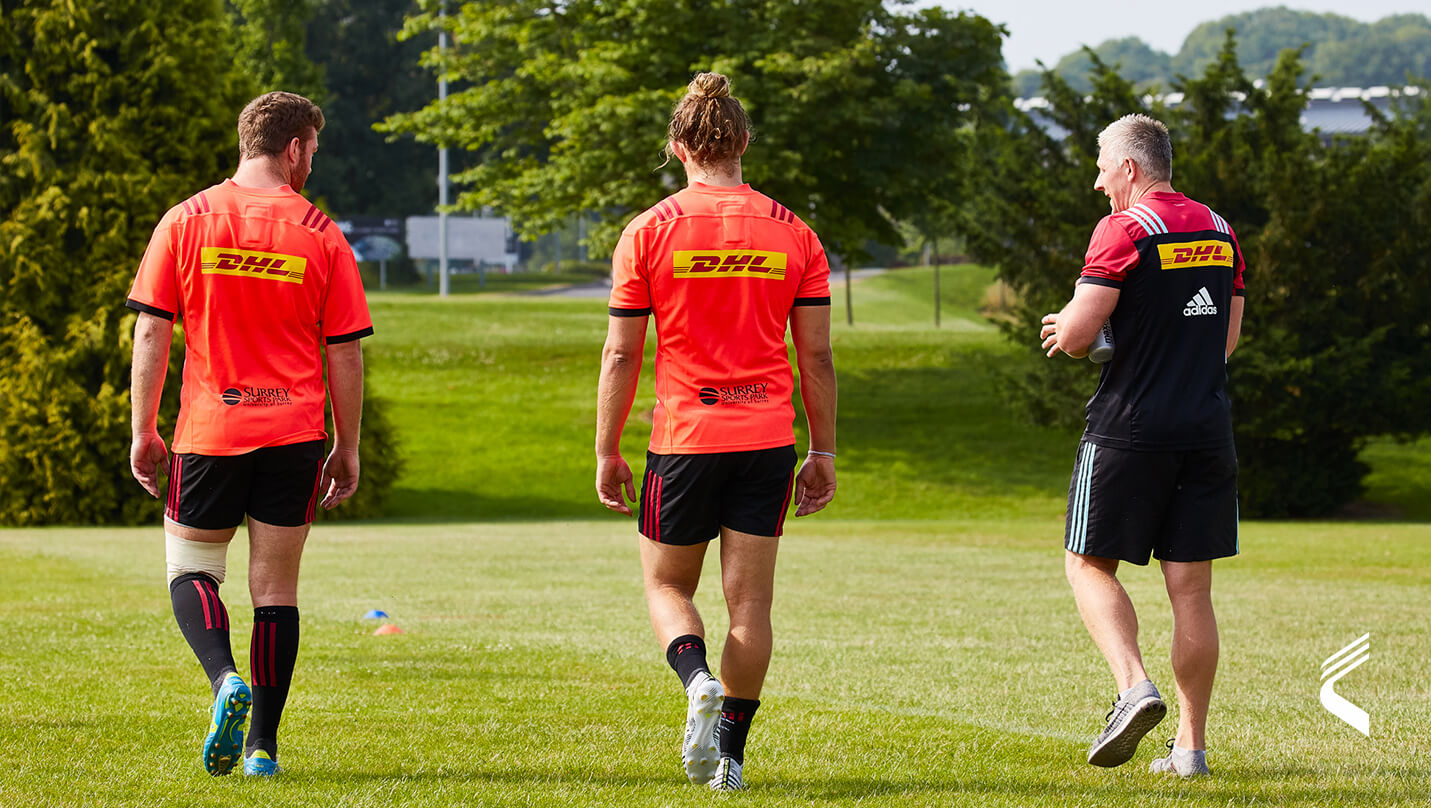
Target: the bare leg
pixel 747 565
pixel 671 575
pixel 1108 614
pixel 1195 645
pixel 274 555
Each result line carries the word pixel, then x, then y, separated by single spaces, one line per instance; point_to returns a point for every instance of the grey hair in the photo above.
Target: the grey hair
pixel 1143 140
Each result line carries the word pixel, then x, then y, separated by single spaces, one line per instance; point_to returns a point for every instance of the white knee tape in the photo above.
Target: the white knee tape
pixel 185 556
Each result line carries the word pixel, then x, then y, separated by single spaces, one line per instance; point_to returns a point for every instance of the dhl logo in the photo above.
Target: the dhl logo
pixel 1210 253
pixel 252 264
pixel 730 264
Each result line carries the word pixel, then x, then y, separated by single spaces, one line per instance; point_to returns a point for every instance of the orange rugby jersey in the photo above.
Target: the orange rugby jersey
pixel 720 268
pixel 261 279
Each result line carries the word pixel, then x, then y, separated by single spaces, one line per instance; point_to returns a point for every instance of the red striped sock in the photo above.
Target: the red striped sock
pixel 272 656
pixel 204 622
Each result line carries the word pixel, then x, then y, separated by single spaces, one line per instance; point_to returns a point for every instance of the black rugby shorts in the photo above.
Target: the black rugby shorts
pixel 686 499
pixel 275 484
pixel 1176 506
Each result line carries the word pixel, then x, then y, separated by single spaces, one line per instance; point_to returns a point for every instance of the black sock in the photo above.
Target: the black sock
pixel 204 622
pixel 735 717
pixel 687 657
pixel 271 657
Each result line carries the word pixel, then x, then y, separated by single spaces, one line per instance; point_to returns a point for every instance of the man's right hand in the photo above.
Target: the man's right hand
pixel 815 484
pixel 340 477
pixel 147 454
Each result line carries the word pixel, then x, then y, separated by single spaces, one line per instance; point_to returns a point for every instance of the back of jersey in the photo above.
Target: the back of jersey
pixel 720 268
pixel 1178 266
pixel 262 279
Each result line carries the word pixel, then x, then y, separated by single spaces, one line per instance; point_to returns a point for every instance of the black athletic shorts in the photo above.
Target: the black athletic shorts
pixel 276 484
pixel 687 499
pixel 1178 506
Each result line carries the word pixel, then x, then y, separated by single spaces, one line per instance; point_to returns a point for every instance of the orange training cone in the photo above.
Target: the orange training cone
pixel 387 628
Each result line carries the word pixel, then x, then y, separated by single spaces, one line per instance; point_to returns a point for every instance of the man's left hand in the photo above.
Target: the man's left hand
pixel 340 477
pixel 612 474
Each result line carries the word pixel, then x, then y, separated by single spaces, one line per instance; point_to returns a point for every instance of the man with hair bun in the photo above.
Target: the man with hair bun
pixel 267 288
pixel 723 269
pixel 1156 470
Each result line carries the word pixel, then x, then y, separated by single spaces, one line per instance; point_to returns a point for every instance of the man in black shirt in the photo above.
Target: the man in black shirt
pixel 1156 471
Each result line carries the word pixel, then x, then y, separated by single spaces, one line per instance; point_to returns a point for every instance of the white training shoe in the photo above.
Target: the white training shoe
pixel 1182 762
pixel 727 776
pixel 699 753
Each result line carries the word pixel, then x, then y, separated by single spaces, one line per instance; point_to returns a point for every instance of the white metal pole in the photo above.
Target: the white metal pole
pixel 442 287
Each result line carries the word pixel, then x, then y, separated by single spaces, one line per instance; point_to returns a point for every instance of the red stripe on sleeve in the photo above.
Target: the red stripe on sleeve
pixel 204 203
pixel 309 215
pixel 324 225
pixel 677 207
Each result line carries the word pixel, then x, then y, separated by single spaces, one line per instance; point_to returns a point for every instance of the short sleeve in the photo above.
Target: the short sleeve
pixel 156 285
pixel 1238 265
pixel 345 305
pixel 814 289
pixel 630 289
pixel 1110 255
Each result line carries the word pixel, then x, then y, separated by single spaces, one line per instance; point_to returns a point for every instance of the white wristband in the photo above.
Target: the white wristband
pixel 830 455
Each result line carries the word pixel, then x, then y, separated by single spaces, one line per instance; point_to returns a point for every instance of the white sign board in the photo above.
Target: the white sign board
pixel 467 238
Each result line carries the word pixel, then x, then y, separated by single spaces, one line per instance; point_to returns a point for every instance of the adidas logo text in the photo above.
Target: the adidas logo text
pixel 1200 304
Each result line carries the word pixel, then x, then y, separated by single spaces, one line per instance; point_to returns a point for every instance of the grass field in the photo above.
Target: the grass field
pixel 917 663
pixel 495 399
pixel 928 650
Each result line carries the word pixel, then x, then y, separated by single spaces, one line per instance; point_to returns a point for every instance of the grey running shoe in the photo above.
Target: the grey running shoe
pixel 727 776
pixel 1182 762
pixel 1132 717
pixel 699 753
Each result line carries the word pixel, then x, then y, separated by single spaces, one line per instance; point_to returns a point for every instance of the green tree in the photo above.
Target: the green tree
pixel 1133 58
pixel 1334 347
pixel 369 75
pixel 1383 53
pixel 269 45
pixel 102 129
pixel 858 107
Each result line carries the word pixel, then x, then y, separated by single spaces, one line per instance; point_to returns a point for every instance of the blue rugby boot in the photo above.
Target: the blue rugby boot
pixel 223 747
pixel 259 764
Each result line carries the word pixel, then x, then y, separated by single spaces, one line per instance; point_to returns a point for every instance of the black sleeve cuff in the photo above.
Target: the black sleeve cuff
pixel 148 309
pixel 1097 281
pixel 349 337
pixel 615 312
pixel 1239 292
pixel 811 301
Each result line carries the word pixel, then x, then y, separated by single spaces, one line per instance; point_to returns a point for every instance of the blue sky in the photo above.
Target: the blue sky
pixel 1047 29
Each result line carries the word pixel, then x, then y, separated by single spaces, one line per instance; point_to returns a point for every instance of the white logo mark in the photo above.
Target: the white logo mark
pixel 1200 304
pixel 1338 665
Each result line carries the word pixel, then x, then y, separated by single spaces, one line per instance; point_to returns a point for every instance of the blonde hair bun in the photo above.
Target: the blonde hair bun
pixel 709 85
